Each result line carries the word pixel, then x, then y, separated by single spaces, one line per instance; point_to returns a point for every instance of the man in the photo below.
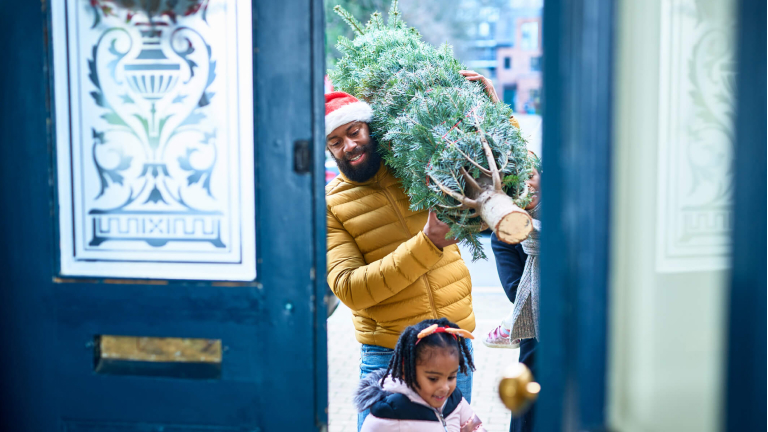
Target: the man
pixel 391 266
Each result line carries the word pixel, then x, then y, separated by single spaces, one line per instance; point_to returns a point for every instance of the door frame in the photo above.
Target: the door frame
pixel 746 372
pixel 322 293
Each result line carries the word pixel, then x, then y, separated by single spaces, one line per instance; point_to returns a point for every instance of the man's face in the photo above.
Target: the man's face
pixel 354 150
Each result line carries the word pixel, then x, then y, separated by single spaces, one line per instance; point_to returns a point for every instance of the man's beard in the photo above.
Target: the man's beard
pixel 367 169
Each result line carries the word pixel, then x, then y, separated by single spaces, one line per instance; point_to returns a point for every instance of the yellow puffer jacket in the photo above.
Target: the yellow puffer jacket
pixel 382 265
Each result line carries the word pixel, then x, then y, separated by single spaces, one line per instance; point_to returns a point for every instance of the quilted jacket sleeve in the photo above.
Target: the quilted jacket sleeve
pixel 360 285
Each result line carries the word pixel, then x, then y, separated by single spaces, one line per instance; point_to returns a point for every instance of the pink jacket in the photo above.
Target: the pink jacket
pixel 395 407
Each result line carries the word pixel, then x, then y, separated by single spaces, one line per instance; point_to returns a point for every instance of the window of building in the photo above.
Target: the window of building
pixel 484 29
pixel 507 62
pixel 536 64
pixel 509 95
pixel 529 39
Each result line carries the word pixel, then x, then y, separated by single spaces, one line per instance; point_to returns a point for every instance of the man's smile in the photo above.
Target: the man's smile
pixel 356 160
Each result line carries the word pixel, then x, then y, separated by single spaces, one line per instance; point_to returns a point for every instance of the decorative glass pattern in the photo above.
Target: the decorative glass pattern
pixel 696 100
pixel 154 134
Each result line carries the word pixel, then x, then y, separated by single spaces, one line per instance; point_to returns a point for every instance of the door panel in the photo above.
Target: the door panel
pixel 746 373
pixel 676 71
pixel 273 359
pixel 577 147
pixel 117 427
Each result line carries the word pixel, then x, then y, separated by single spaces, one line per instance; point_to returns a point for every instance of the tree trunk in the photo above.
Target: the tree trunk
pixel 510 223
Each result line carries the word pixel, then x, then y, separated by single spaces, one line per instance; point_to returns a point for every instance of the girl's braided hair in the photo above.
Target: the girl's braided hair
pixel 403 363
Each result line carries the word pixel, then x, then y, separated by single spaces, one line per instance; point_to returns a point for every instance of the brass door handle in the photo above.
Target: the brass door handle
pixel 517 389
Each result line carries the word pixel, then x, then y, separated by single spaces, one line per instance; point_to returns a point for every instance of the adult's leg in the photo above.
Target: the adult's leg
pixel 372 358
pixel 524 423
pixel 464 381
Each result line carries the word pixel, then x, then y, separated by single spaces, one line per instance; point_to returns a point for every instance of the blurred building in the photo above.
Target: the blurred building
pixel 507 49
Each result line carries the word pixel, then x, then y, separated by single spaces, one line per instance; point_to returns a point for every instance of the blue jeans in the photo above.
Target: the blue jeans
pixel 374 357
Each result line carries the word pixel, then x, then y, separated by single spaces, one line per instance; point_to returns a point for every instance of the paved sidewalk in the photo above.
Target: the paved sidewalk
pixel 490 305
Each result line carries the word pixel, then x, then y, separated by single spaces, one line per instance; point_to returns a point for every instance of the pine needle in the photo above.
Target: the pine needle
pixel 356 25
pixel 394 14
pixel 376 22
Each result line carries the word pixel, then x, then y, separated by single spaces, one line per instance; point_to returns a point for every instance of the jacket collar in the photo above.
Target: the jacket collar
pixel 371 390
pixel 395 400
pixel 397 386
pixel 380 175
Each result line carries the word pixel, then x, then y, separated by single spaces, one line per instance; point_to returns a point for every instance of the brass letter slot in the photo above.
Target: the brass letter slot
pixel 158 357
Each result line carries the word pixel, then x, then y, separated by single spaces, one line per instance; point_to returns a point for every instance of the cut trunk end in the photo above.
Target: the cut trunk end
pixel 510 223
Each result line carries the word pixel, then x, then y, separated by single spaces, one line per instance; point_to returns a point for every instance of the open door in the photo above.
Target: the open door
pixel 653 251
pixel 163 225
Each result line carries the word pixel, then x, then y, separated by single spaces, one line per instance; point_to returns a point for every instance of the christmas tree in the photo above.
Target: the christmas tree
pixel 455 151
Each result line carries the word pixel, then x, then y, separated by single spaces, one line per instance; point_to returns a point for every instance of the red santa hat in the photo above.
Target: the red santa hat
pixel 342 108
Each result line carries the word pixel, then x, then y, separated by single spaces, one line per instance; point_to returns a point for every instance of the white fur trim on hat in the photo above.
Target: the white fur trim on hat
pixel 356 111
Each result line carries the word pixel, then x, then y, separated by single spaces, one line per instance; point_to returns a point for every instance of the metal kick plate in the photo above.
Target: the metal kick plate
pixel 154 349
pixel 183 358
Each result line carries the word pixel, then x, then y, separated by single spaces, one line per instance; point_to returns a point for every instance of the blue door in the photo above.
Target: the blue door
pixel 163 229
pixel 634 304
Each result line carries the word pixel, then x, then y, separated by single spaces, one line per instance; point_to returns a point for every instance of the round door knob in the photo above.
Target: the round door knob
pixel 517 388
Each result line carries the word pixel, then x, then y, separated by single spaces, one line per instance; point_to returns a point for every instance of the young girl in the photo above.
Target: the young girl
pixel 417 392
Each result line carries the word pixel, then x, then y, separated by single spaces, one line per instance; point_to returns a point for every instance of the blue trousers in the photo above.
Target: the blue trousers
pixel 374 357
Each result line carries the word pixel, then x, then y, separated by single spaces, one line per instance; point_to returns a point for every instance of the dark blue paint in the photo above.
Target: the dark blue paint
pixel 578 41
pixel 320 287
pixel 118 427
pixel 27 306
pixel 746 391
pixel 190 370
pixel 273 373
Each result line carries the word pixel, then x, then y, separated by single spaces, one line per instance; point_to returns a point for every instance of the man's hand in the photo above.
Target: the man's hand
pixel 474 76
pixel 436 231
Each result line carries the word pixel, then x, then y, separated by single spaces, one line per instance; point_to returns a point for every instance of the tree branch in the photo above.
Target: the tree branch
pixel 459 214
pixel 506 162
pixel 451 207
pixel 463 192
pixel 480 167
pixel 458 197
pixel 470 180
pixel 349 19
pixel 394 14
pixel 491 161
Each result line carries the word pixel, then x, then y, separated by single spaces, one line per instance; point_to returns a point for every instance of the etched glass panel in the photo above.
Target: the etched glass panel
pixel 696 133
pixel 154 144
